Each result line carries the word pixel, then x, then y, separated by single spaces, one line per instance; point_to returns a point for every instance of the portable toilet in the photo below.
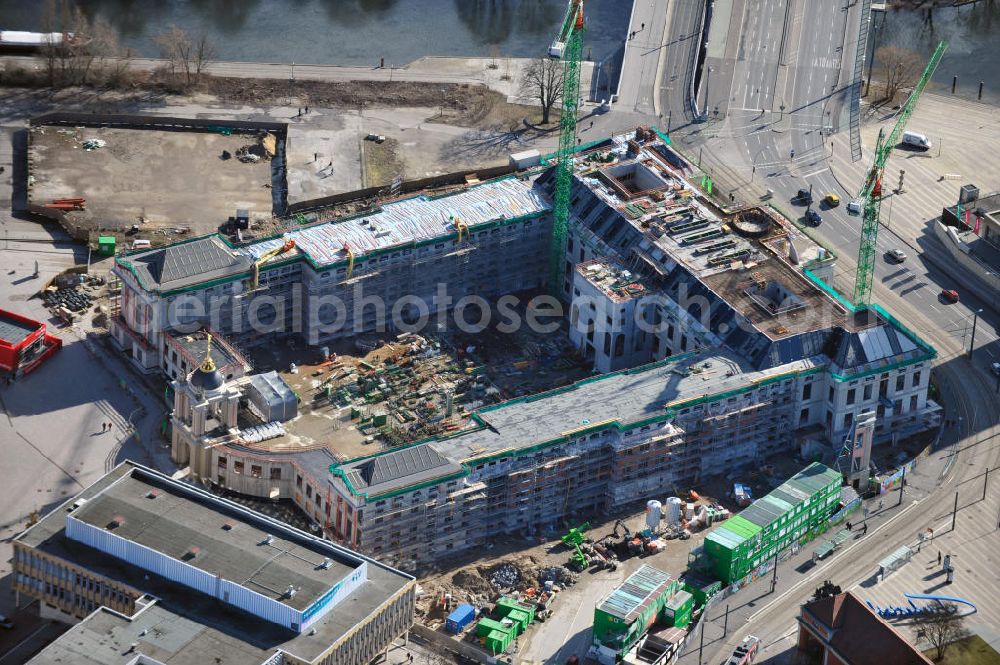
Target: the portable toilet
pixel 106 245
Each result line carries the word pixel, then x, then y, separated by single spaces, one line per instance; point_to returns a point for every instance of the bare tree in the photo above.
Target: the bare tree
pixel 113 60
pixel 50 50
pixel 185 55
pixel 79 47
pixel 204 53
pixel 942 628
pixel 901 68
pixel 542 81
pixel 176 48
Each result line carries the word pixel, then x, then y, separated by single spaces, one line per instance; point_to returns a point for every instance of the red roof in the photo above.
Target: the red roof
pixel 860 636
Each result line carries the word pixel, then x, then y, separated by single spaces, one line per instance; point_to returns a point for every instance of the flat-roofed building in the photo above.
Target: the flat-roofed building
pixel 138 538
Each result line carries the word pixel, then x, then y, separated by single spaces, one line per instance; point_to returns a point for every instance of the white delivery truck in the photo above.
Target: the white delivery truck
pixel 915 140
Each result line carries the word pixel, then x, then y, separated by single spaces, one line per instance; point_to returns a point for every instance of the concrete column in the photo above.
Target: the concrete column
pixel 198 414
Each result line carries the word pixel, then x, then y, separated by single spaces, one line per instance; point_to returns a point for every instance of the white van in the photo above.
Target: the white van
pixel 140 244
pixel 915 140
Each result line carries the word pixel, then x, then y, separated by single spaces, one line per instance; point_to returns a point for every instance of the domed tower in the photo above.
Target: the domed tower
pixel 207 378
pixel 204 407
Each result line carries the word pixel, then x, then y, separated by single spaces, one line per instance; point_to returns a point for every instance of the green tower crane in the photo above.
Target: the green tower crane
pixel 571 37
pixel 871 192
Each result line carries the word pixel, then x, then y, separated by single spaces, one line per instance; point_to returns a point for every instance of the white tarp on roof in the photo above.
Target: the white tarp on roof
pixel 411 220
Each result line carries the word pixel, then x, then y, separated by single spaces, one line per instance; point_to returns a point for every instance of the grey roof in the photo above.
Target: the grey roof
pixel 399 468
pixel 14 331
pixel 186 627
pixel 625 397
pixel 228 542
pixel 186 264
pixel 194 344
pixel 871 345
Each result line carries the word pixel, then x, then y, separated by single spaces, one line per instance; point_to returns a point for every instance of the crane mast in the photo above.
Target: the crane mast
pixel 571 37
pixel 871 193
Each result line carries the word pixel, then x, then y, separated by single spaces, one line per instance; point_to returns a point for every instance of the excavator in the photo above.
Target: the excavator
pixel 629 544
pixel 264 258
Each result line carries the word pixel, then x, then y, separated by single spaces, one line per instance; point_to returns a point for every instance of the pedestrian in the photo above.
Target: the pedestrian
pixel 643 27
pixel 299 114
pixel 110 426
pixel 591 124
pixel 939 557
pixel 307 110
pixel 864 529
pixel 848 526
pixel 104 427
pixel 315 156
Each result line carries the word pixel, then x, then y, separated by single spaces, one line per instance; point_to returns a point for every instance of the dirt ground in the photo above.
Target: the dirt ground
pixel 382 162
pixel 169 183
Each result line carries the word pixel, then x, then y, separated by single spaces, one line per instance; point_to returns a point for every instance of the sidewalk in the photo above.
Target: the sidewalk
pixel 505 78
pixel 973 545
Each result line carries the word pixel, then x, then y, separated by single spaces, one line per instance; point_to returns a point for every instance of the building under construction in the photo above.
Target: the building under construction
pixel 734 349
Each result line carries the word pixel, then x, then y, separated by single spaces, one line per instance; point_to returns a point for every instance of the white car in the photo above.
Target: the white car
pixel 897 255
pixel 854 207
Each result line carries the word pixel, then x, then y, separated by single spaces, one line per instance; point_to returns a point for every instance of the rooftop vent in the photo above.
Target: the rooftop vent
pixel 191 553
pixel 290 591
pixel 116 522
pixel 268 539
pixel 229 524
pixel 152 494
pixel 327 562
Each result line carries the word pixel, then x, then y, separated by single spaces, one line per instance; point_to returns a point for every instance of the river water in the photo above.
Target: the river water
pixel 360 32
pixel 348 32
pixel 973 36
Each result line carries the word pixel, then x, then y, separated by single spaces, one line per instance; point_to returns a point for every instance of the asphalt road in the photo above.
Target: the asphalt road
pixel 787 92
pixel 683 37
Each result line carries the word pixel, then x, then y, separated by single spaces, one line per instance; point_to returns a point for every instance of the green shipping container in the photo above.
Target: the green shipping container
pixel 625 614
pixel 497 641
pixel 106 245
pixel 773 522
pixel 677 611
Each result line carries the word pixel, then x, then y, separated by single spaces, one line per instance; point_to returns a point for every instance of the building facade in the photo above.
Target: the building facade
pixel 138 539
pixel 732 348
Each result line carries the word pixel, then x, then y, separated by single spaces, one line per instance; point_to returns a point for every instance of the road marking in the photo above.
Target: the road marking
pixel 822 570
pixel 817 172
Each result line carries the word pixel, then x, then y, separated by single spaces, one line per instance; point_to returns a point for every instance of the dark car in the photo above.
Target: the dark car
pixel 804 197
pixel 813 217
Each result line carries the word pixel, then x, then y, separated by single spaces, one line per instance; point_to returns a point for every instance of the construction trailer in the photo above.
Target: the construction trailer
pixel 625 615
pixel 772 523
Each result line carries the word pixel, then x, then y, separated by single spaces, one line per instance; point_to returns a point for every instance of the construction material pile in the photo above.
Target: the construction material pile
pixel 71 298
pixel 262 150
pixel 505 576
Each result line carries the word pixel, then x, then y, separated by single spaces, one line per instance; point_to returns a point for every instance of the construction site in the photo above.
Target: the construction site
pixel 141 177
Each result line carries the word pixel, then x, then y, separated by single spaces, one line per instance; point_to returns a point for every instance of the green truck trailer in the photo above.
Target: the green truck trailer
pixel 772 523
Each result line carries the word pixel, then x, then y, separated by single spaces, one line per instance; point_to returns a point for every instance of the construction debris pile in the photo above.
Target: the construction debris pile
pixel 261 150
pixel 401 390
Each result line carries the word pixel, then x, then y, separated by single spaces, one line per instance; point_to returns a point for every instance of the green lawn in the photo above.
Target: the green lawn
pixel 972 650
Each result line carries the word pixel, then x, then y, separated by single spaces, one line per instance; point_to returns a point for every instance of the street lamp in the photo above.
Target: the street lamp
pixel 972 342
pixel 708 77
